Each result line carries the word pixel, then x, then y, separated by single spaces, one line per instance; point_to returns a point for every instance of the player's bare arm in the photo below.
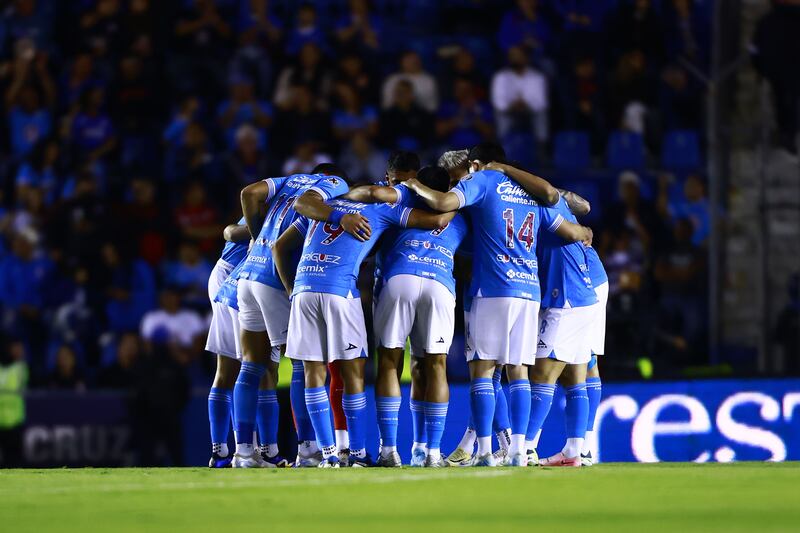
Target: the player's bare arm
pixel 419 218
pixel 236 233
pixel 579 205
pixel 533 185
pixel 253 197
pixel 575 233
pixel 373 194
pixel 436 200
pixel 290 240
pixel 311 205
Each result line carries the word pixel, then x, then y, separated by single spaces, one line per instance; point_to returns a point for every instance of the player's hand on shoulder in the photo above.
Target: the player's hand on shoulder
pixel 357 226
pixel 412 183
pixel 587 241
pixel 494 165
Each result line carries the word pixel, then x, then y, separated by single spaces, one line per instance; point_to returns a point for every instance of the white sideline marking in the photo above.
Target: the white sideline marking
pixel 264 482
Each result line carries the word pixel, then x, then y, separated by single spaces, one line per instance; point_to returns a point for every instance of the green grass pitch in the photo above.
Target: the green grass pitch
pixel 610 497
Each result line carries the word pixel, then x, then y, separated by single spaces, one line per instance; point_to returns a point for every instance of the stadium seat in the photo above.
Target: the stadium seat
pixel 625 150
pixel 571 150
pixel 521 149
pixel 681 150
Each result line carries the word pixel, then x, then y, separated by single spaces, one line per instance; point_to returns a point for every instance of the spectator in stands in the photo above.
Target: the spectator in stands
pixel 300 121
pixel 259 33
pixel 135 110
pixel 351 116
pixel 636 26
pixel 92 132
pixel 678 99
pixel 308 71
pixel 424 85
pixel 519 95
pixel 101 26
pixel 65 374
pixel 28 120
pixel 693 206
pixel 466 121
pixel 143 220
pixel 243 108
pixel 352 72
pixel 361 161
pixel 306 156
pixel 359 30
pixel 195 159
pixel 306 31
pixel 129 286
pixel 41 171
pixel 183 326
pixel 189 272
pixel 26 20
pixel 583 101
pixel 680 271
pixel 80 77
pixel 634 214
pixel 196 219
pixel 247 162
pixel 525 26
pixel 461 66
pixel 121 374
pixel 405 124
pixel 630 92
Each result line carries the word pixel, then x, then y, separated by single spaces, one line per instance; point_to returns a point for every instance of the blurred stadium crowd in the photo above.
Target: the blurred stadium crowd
pixel 131 125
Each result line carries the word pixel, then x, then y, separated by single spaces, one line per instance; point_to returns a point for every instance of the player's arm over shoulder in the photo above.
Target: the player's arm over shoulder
pixel 573 232
pixel 422 219
pixel 436 200
pixel 374 194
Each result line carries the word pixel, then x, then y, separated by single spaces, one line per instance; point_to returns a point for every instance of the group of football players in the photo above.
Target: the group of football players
pixel 286 283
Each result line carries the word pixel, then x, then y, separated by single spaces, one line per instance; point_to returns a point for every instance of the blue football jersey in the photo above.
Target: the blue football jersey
pixel 284 192
pixel 424 253
pixel 505 222
pixel 227 293
pixel 234 252
pixel 331 258
pixel 597 271
pixel 563 270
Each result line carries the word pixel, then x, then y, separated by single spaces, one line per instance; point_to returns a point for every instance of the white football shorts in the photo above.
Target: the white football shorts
pixel 565 334
pixel 419 307
pixel 597 339
pixel 502 330
pixel 326 327
pixel 223 331
pixel 263 308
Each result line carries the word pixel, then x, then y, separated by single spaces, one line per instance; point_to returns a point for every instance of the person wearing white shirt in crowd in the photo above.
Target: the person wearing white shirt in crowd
pixel 519 92
pixel 425 90
pixel 183 325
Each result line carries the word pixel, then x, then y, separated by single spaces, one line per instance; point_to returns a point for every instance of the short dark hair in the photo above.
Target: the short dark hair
pixel 331 169
pixel 434 177
pixel 403 161
pixel 486 152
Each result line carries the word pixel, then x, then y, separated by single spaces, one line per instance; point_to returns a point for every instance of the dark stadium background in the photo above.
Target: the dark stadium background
pixel 131 126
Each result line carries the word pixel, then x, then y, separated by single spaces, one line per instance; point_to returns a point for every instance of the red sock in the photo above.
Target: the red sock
pixel 337 391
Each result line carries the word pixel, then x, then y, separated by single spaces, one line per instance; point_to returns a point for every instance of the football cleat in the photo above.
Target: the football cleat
pixel 518 459
pixel 247 461
pixel 430 462
pixel 344 457
pixel 390 460
pixel 587 459
pixel 276 461
pixel 418 456
pixel 361 462
pixel 560 459
pixel 533 458
pixel 459 458
pixel 220 462
pixel 310 461
pixel 501 457
pixel 486 459
pixel 330 462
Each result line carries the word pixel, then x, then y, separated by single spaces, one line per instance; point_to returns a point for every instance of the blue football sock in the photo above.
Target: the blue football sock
pixel 388 408
pixel 594 389
pixel 355 409
pixel 481 395
pixel 520 399
pixel 500 421
pixel 219 414
pixel 319 410
pixel 267 417
pixel 418 420
pixel 541 401
pixel 245 400
pixel 435 416
pixel 577 411
pixel 297 394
